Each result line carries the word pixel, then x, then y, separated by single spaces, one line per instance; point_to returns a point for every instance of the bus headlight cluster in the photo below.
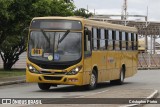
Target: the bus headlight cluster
pixel 32 69
pixel 74 71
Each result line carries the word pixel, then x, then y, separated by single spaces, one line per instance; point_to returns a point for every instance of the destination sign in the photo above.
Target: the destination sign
pixel 56 24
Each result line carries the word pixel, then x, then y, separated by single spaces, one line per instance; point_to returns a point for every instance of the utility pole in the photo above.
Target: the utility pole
pixel 146 36
pixel 124 12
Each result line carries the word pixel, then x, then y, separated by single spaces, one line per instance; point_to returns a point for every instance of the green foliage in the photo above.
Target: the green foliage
pixel 12 73
pixel 11 48
pixel 83 12
pixel 68 1
pixel 62 8
pixel 5 20
pixel 16 16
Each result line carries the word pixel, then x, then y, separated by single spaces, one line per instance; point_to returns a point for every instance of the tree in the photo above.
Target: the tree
pixel 11 50
pixel 4 20
pixel 83 12
pixel 18 16
pixel 61 8
pixel 68 1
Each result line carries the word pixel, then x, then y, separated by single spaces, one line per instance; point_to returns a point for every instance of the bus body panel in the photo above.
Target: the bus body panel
pixel 108 62
pixel 87 70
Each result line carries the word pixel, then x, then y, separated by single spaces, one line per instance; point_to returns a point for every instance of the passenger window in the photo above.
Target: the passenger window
pixel 120 40
pixel 110 40
pixel 106 39
pixel 136 40
pixel 98 38
pixel 114 38
pixel 102 40
pixel 123 41
pixel 132 40
pixel 117 44
pixel 94 39
pixel 126 39
pixel 129 42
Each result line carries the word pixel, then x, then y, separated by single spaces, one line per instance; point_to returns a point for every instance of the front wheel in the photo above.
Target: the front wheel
pixel 93 81
pixel 44 86
pixel 120 80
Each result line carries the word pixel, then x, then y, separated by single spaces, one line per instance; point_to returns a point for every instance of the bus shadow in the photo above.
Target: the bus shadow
pixel 66 88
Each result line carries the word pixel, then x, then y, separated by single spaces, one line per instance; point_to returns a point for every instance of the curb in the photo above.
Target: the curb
pixel 12 82
pixel 153 95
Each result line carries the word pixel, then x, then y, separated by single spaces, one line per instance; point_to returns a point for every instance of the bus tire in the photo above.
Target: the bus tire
pixel 44 86
pixel 119 81
pixel 93 81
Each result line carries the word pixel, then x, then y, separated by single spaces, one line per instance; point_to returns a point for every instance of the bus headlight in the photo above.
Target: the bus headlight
pixel 75 70
pixel 32 69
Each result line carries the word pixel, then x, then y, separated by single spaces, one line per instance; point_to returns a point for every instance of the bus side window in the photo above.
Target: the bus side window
pixel 98 38
pixel 94 39
pixel 136 41
pixel 132 40
pixel 110 40
pixel 102 40
pixel 129 42
pixel 126 39
pixel 123 41
pixel 87 43
pixel 117 47
pixel 106 39
pixel 120 40
pixel 114 38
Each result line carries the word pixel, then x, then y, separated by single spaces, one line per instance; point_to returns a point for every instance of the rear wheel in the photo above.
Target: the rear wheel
pixel 93 81
pixel 121 78
pixel 44 86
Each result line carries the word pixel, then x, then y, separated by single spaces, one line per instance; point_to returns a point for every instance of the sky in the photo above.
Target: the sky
pixel 135 7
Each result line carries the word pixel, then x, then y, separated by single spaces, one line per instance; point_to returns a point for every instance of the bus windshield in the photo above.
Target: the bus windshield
pixel 54 46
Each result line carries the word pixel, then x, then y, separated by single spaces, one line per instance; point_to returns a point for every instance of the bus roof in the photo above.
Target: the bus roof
pixel 94 23
pixel 110 26
pixel 56 17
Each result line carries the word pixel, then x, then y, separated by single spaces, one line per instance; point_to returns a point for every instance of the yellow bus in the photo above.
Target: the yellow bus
pixel 81 52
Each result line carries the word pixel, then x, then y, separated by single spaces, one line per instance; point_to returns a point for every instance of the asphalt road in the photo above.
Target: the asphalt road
pixel 143 82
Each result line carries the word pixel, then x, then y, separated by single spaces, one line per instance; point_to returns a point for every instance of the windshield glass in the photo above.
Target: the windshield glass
pixel 55 46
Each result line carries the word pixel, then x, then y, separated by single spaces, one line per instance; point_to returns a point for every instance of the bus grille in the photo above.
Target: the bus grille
pixel 53 73
pixel 60 67
pixel 52 78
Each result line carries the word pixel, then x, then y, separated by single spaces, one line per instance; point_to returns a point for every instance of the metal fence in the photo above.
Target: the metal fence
pixel 148 61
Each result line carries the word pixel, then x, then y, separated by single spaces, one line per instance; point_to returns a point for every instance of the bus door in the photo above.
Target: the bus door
pixel 87 56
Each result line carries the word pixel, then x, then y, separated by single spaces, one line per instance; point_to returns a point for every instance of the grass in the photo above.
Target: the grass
pixel 11 73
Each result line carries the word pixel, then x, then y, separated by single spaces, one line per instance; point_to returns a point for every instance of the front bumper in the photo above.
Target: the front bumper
pixel 55 79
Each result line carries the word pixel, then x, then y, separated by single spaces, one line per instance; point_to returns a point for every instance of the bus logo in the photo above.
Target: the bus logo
pixel 111 60
pixel 6 101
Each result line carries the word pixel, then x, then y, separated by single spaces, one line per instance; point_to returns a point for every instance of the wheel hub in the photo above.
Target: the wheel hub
pixel 93 80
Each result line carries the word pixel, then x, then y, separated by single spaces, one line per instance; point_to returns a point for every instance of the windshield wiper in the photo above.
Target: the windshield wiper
pixel 45 36
pixel 62 38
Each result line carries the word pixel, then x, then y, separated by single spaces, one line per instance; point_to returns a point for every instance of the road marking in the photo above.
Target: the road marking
pixel 92 94
pixel 154 94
